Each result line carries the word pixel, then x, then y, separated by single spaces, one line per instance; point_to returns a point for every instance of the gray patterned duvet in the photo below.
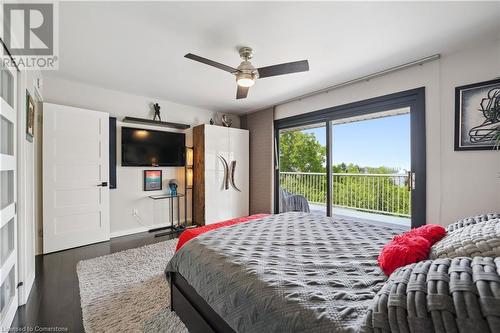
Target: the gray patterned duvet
pixel 292 272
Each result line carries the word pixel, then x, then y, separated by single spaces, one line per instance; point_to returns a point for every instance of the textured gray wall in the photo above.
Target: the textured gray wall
pixel 260 125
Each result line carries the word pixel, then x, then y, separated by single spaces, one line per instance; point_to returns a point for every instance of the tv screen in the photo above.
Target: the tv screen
pixel 142 147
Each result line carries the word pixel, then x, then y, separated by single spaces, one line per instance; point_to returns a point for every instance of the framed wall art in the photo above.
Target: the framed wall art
pixel 30 117
pixel 152 180
pixel 477 115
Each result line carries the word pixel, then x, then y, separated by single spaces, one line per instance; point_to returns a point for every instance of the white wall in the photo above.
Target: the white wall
pixel 129 194
pixel 459 184
pixel 470 180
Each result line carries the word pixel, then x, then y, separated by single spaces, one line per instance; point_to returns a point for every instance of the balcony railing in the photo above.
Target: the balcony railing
pixel 377 193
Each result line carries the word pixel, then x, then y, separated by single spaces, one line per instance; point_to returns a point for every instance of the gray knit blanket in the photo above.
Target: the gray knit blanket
pixel 297 272
pixel 292 272
pixel 442 295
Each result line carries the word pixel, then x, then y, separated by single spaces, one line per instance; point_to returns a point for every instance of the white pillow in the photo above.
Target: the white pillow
pixel 481 239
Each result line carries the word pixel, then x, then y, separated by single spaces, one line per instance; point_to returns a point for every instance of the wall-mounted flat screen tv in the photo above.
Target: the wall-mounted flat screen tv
pixel 141 147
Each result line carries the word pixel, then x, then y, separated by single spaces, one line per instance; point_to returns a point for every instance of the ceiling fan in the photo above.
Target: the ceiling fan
pixel 246 73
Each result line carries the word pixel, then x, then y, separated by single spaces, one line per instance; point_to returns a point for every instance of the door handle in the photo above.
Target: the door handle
pixel 103 184
pixel 409 181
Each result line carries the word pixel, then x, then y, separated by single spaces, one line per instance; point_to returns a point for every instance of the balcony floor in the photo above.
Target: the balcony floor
pixel 363 216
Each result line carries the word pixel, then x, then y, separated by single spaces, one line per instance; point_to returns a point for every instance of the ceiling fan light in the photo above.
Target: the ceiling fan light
pixel 245 80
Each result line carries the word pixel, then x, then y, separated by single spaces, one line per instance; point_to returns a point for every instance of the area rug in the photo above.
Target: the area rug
pixel 127 291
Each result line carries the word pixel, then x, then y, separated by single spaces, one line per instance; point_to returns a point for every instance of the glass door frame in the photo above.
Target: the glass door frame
pixel 414 99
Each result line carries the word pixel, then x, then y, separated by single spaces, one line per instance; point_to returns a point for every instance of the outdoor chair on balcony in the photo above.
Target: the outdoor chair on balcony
pixel 292 202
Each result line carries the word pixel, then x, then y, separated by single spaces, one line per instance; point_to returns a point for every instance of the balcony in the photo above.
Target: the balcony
pixel 381 198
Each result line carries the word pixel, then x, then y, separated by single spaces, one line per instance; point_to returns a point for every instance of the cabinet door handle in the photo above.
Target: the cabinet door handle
pixel 103 184
pixel 225 184
pixel 231 177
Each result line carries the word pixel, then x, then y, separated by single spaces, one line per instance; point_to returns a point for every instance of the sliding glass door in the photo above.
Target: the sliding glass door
pixel 302 169
pixel 370 167
pixel 364 160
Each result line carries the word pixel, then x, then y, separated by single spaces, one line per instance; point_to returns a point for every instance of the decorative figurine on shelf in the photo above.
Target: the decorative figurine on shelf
pixel 212 121
pixel 226 121
pixel 172 185
pixel 156 107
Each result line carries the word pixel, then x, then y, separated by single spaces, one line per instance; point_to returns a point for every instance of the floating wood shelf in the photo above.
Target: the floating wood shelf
pixel 154 122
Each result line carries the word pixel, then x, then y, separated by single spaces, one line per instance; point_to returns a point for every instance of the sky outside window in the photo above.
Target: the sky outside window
pixel 371 143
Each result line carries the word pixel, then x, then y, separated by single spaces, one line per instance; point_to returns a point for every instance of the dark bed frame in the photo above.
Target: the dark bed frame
pixel 193 310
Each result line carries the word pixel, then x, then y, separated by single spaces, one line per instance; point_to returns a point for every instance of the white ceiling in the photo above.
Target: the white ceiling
pixel 138 47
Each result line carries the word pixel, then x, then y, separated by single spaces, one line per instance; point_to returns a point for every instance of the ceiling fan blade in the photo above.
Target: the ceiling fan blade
pixel 210 63
pixel 242 92
pixel 286 68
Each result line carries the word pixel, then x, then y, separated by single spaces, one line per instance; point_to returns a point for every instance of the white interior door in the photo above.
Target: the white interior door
pixel 8 197
pixel 75 176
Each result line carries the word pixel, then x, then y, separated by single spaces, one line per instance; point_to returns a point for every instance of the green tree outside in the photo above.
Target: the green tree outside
pixel 301 152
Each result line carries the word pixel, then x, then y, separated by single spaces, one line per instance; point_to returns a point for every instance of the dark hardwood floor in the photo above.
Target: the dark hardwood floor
pixel 55 297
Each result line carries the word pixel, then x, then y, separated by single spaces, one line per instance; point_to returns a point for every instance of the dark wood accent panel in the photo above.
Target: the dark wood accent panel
pixel 194 311
pixel 112 152
pixel 199 175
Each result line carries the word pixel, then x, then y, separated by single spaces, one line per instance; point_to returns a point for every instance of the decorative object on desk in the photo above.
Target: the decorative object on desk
pixel 156 107
pixel 173 185
pixel 477 116
pixel 30 117
pixel 212 122
pixel 226 120
pixel 152 180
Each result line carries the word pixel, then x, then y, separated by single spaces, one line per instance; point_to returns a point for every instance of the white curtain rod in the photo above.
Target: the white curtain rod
pixel 363 78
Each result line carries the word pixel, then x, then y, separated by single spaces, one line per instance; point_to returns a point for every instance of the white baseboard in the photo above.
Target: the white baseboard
pixel 137 230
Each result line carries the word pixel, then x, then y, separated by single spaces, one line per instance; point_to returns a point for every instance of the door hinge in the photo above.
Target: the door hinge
pixel 413 183
pixel 20 284
pixel 15 208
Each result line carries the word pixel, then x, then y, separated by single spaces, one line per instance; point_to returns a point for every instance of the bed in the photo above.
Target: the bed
pixel 289 272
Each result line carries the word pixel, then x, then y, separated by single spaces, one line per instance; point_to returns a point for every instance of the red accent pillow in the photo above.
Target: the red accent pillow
pixel 411 247
pixel 431 232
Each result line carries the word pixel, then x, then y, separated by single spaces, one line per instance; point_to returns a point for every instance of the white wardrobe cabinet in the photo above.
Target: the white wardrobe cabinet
pixel 221 167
